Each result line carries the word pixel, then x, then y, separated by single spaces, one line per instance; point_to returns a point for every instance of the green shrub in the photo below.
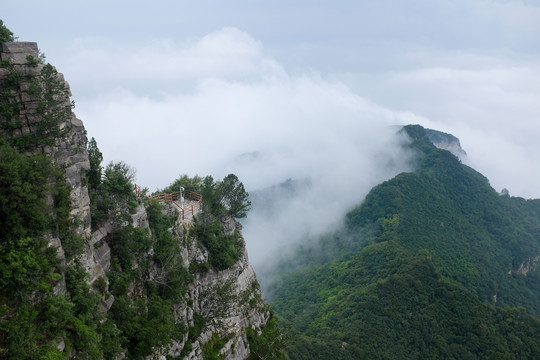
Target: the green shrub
pixel 100 284
pixel 223 250
pixel 32 61
pixel 145 323
pixel 23 185
pixel 128 244
pixel 6 35
pixel 195 330
pixel 211 349
pixel 132 206
pixel 110 339
pixel 270 344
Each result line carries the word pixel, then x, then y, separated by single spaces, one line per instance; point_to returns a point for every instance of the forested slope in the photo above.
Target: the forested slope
pixel 433 264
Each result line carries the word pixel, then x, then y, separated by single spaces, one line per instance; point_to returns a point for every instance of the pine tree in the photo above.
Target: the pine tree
pixel 96 157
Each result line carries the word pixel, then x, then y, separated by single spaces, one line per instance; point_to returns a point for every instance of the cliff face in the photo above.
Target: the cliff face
pixel 446 141
pixel 216 305
pixel 230 300
pixel 68 152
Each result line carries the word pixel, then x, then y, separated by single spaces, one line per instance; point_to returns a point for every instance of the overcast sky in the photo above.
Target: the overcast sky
pixel 277 89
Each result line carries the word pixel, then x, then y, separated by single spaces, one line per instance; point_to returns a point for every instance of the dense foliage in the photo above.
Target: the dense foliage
pixel 50 107
pixel 269 344
pixel 6 35
pixel 33 316
pixel 428 267
pixel 111 195
pixel 223 250
pixel 227 196
pixel 22 191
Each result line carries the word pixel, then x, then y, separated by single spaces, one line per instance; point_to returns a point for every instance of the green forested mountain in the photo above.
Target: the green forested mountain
pixel 433 264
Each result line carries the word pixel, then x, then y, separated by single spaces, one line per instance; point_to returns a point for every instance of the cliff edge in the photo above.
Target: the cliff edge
pixel 126 278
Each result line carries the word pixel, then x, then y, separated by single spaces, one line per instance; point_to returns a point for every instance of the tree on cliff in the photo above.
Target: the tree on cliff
pixel 5 34
pixel 96 157
pixel 53 107
pixel 234 196
pixel 226 196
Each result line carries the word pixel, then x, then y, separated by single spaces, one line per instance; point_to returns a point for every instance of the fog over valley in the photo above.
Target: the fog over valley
pixel 310 93
pixel 278 180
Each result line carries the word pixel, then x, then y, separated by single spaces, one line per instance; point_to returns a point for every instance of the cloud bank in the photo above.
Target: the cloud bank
pixel 489 104
pixel 158 93
pixel 219 104
pixel 300 127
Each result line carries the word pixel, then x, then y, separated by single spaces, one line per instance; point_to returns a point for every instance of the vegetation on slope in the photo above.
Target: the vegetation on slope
pixel 34 315
pixel 49 309
pixel 6 35
pixel 422 271
pixel 222 199
pixel 146 278
pixel 42 302
pixel 49 120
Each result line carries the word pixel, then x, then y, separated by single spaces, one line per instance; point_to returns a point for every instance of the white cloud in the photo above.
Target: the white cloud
pixel 168 103
pixel 164 65
pixel 193 106
pixel 302 127
pixel 238 101
pixel 491 108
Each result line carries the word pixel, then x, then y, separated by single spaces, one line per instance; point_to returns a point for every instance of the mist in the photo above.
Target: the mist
pixel 224 106
pixel 149 73
pixel 263 124
pixel 313 183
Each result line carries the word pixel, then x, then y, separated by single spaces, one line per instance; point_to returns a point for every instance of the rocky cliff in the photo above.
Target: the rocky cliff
pixel 215 315
pixel 446 142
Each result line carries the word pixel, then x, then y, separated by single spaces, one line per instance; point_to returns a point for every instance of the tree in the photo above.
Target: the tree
pixel 23 185
pixel 211 201
pixel 118 180
pixel 5 34
pixel 96 157
pixel 188 183
pixel 113 195
pixel 234 197
pixel 53 107
pixel 269 344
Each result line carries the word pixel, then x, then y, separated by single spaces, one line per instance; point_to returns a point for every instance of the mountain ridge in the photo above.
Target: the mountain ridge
pixel 421 271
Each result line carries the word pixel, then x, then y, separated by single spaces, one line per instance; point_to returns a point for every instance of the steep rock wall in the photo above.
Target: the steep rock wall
pixel 229 300
pixel 70 152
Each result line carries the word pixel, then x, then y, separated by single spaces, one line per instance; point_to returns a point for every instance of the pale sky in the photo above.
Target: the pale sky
pixel 311 87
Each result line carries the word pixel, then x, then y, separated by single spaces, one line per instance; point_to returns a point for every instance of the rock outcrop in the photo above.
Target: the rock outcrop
pixel 446 141
pixel 526 266
pixel 69 152
pixel 229 300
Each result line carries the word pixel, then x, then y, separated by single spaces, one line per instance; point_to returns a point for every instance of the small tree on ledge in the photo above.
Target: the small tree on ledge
pixel 234 197
pixel 6 35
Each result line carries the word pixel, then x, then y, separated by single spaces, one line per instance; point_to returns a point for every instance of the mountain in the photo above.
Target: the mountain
pixel 90 266
pixel 433 264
